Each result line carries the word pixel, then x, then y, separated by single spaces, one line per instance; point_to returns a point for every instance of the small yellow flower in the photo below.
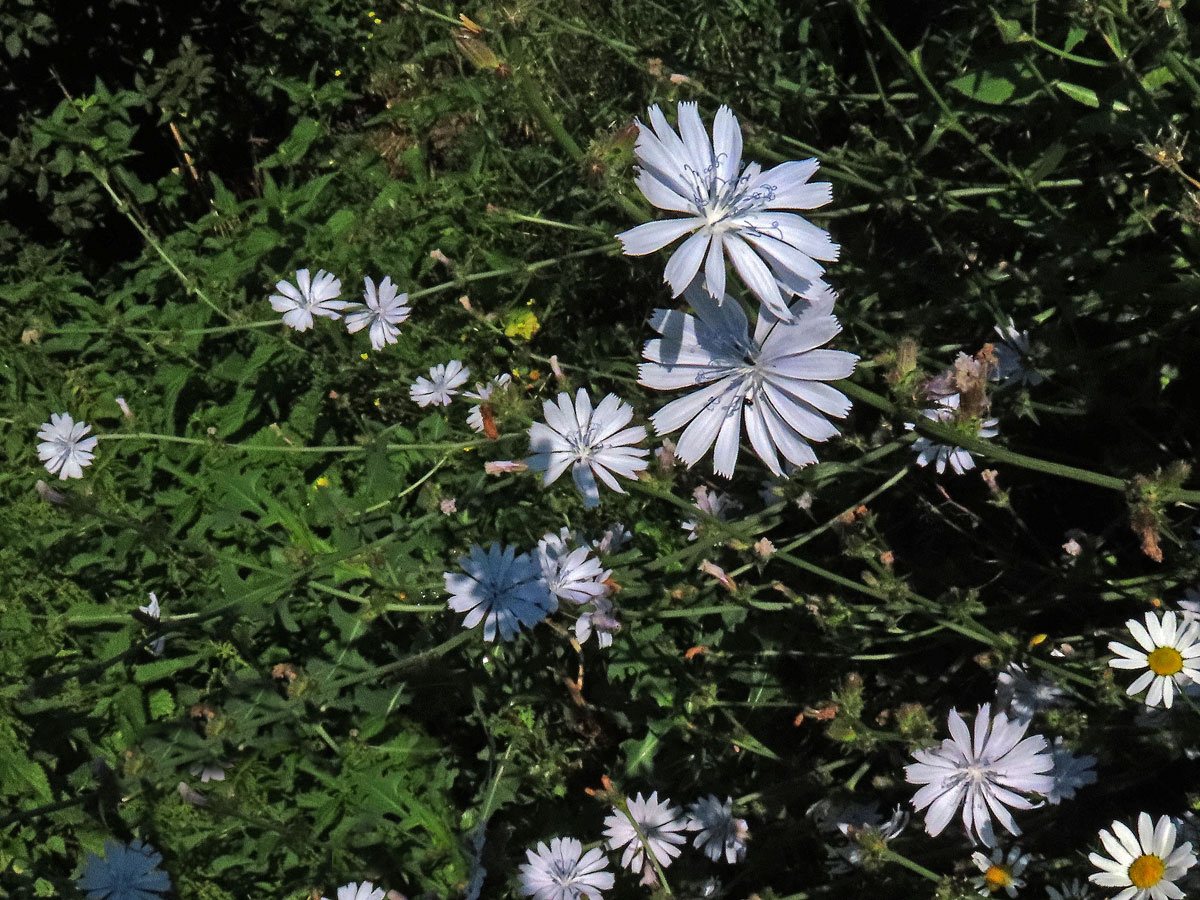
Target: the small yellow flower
pixel 377 401
pixel 337 73
pixel 363 355
pixel 522 324
pixel 378 21
pixel 321 482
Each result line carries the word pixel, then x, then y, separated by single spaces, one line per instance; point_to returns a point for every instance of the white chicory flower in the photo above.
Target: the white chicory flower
pixel 562 871
pixel 385 310
pixel 984 774
pixel 308 297
pixel 662 824
pixel 63 449
pixel 729 211
pixel 774 381
pixel 595 443
pixel 441 386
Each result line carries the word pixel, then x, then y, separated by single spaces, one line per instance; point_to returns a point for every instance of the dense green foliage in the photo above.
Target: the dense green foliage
pixel 285 501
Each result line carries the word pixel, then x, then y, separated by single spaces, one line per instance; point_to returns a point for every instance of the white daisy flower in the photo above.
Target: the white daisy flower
pixel 500 588
pixel 731 211
pixel 155 612
pixel 1169 656
pixel 441 385
pixel 1146 865
pixel 720 833
pixel 1070 773
pixel 660 822
pixel 990 772
pixel 125 872
pixel 355 891
pixel 596 443
pixel 483 393
pixel 1010 352
pixel 385 310
pixel 775 380
pixel 1069 890
pixel 573 575
pixel 599 618
pixel 308 297
pixel 941 455
pixel 1001 872
pixel 563 871
pixel 64 449
pixel 1020 696
pixel 716 504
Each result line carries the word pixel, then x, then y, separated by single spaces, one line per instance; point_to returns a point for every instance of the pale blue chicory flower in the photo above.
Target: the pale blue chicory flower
pixel 774 381
pixel 64 450
pixel 571 574
pixel 595 443
pixel 501 588
pixel 385 310
pixel 309 296
pixel 941 455
pixel 125 872
pixel 729 210
pixel 441 386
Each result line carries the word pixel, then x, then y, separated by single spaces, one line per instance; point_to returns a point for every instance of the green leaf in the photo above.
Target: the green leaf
pixel 161 668
pixel 162 704
pixel 1079 94
pixel 983 87
pixel 1010 29
pixel 639 755
pixel 21 775
pixel 296 146
pixel 340 221
pixel 1047 162
pixel 1074 37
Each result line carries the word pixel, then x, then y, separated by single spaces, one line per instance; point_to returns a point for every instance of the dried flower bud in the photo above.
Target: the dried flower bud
pixel 504 467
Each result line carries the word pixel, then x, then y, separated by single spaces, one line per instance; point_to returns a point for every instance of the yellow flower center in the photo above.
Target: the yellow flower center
pixel 1146 871
pixel 997 878
pixel 1165 661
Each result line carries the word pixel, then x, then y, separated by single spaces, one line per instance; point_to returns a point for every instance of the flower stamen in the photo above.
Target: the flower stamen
pixel 1146 871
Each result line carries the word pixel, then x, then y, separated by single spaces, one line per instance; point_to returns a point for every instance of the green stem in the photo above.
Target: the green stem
pixel 150 239
pixel 952 436
pixel 521 268
pixel 540 109
pixel 262 448
pixel 645 841
pixel 892 856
